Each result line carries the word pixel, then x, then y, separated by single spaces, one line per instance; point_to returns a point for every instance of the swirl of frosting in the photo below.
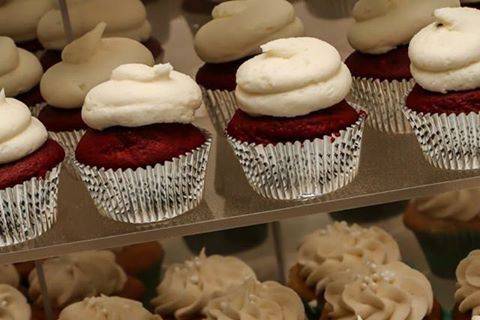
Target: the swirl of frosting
pixel 13 304
pixel 239 28
pixel 456 67
pixel 386 292
pixel 20 133
pixel 19 18
pixel 75 276
pixel 149 95
pixel 188 287
pixel 9 275
pixel 381 26
pixel 254 300
pixel 460 205
pixel 20 70
pixel 124 18
pixel 467 295
pixel 87 62
pixel 341 247
pixel 101 308
pixel 292 77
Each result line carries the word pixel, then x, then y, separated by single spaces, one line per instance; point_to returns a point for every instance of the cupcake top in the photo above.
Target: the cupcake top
pixel 20 133
pixel 460 205
pixel 20 70
pixel 75 276
pixel 385 292
pixel 186 288
pixel 13 304
pixel 254 300
pixel 381 26
pixel 86 62
pixel 468 284
pixel 445 56
pixel 292 77
pixel 19 19
pixel 340 247
pixel 239 28
pixel 101 308
pixel 124 18
pixel 9 275
pixel 149 95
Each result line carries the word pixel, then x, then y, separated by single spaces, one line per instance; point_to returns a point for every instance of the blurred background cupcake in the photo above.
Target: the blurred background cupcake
pixel 13 304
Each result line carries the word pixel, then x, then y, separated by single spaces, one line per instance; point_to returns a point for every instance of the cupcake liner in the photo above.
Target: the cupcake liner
pixel 221 106
pixel 383 100
pixel 69 141
pixel 302 170
pixel 154 194
pixel 448 141
pixel 29 209
pixel 35 110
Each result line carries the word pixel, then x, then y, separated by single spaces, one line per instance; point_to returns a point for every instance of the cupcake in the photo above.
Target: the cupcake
pixel 142 159
pixel 256 300
pixel 9 275
pixel 380 65
pixel 124 18
pixel 466 297
pixel 447 227
pixel 86 62
pixel 187 287
pixel 13 304
pixel 471 3
pixel 19 20
pixel 443 107
pixel 20 74
pixel 235 34
pixel 29 168
pixel 294 134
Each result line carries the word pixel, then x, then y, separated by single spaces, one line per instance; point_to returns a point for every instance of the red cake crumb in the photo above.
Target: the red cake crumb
pixel 272 130
pixel 219 76
pixel 122 148
pixel 421 100
pixel 31 97
pixel 393 65
pixel 57 119
pixel 34 165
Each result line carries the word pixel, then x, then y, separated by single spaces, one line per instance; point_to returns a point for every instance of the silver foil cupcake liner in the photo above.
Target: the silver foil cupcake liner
pixel 448 141
pixel 383 100
pixel 29 209
pixel 149 195
pixel 302 170
pixel 69 141
pixel 221 106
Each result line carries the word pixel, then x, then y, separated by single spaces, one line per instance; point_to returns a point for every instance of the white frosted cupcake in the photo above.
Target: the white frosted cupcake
pixel 13 304
pixel 467 304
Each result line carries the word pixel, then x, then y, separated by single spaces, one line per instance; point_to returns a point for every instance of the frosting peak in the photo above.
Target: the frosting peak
pixel 13 304
pixel 85 47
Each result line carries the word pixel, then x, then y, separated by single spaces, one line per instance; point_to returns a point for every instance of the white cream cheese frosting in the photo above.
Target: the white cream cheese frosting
pixel 381 26
pixel 340 247
pixel 101 308
pixel 148 95
pixel 467 295
pixel 460 205
pixel 13 304
pixel 292 77
pixel 19 18
pixel 75 276
pixel 20 70
pixel 386 292
pixel 87 62
pixel 124 18
pixel 9 275
pixel 254 300
pixel 20 133
pixel 240 27
pixel 445 56
pixel 187 288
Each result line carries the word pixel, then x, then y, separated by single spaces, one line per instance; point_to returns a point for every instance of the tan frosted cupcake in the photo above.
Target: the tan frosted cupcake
pixel 467 300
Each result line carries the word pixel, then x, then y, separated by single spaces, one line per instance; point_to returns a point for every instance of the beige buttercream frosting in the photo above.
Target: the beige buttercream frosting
pixel 20 69
pixel 186 288
pixel 340 247
pixel 255 300
pixel 124 18
pixel 13 304
pixel 75 276
pixel 239 28
pixel 87 62
pixel 467 295
pixel 9 275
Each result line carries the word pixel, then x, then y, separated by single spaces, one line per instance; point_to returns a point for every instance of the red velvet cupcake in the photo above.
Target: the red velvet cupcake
pixel 141 148
pixel 295 135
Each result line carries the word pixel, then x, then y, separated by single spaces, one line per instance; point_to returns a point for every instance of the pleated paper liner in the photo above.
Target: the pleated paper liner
pixel 29 209
pixel 149 195
pixel 448 141
pixel 221 106
pixel 302 170
pixel 69 141
pixel 383 100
